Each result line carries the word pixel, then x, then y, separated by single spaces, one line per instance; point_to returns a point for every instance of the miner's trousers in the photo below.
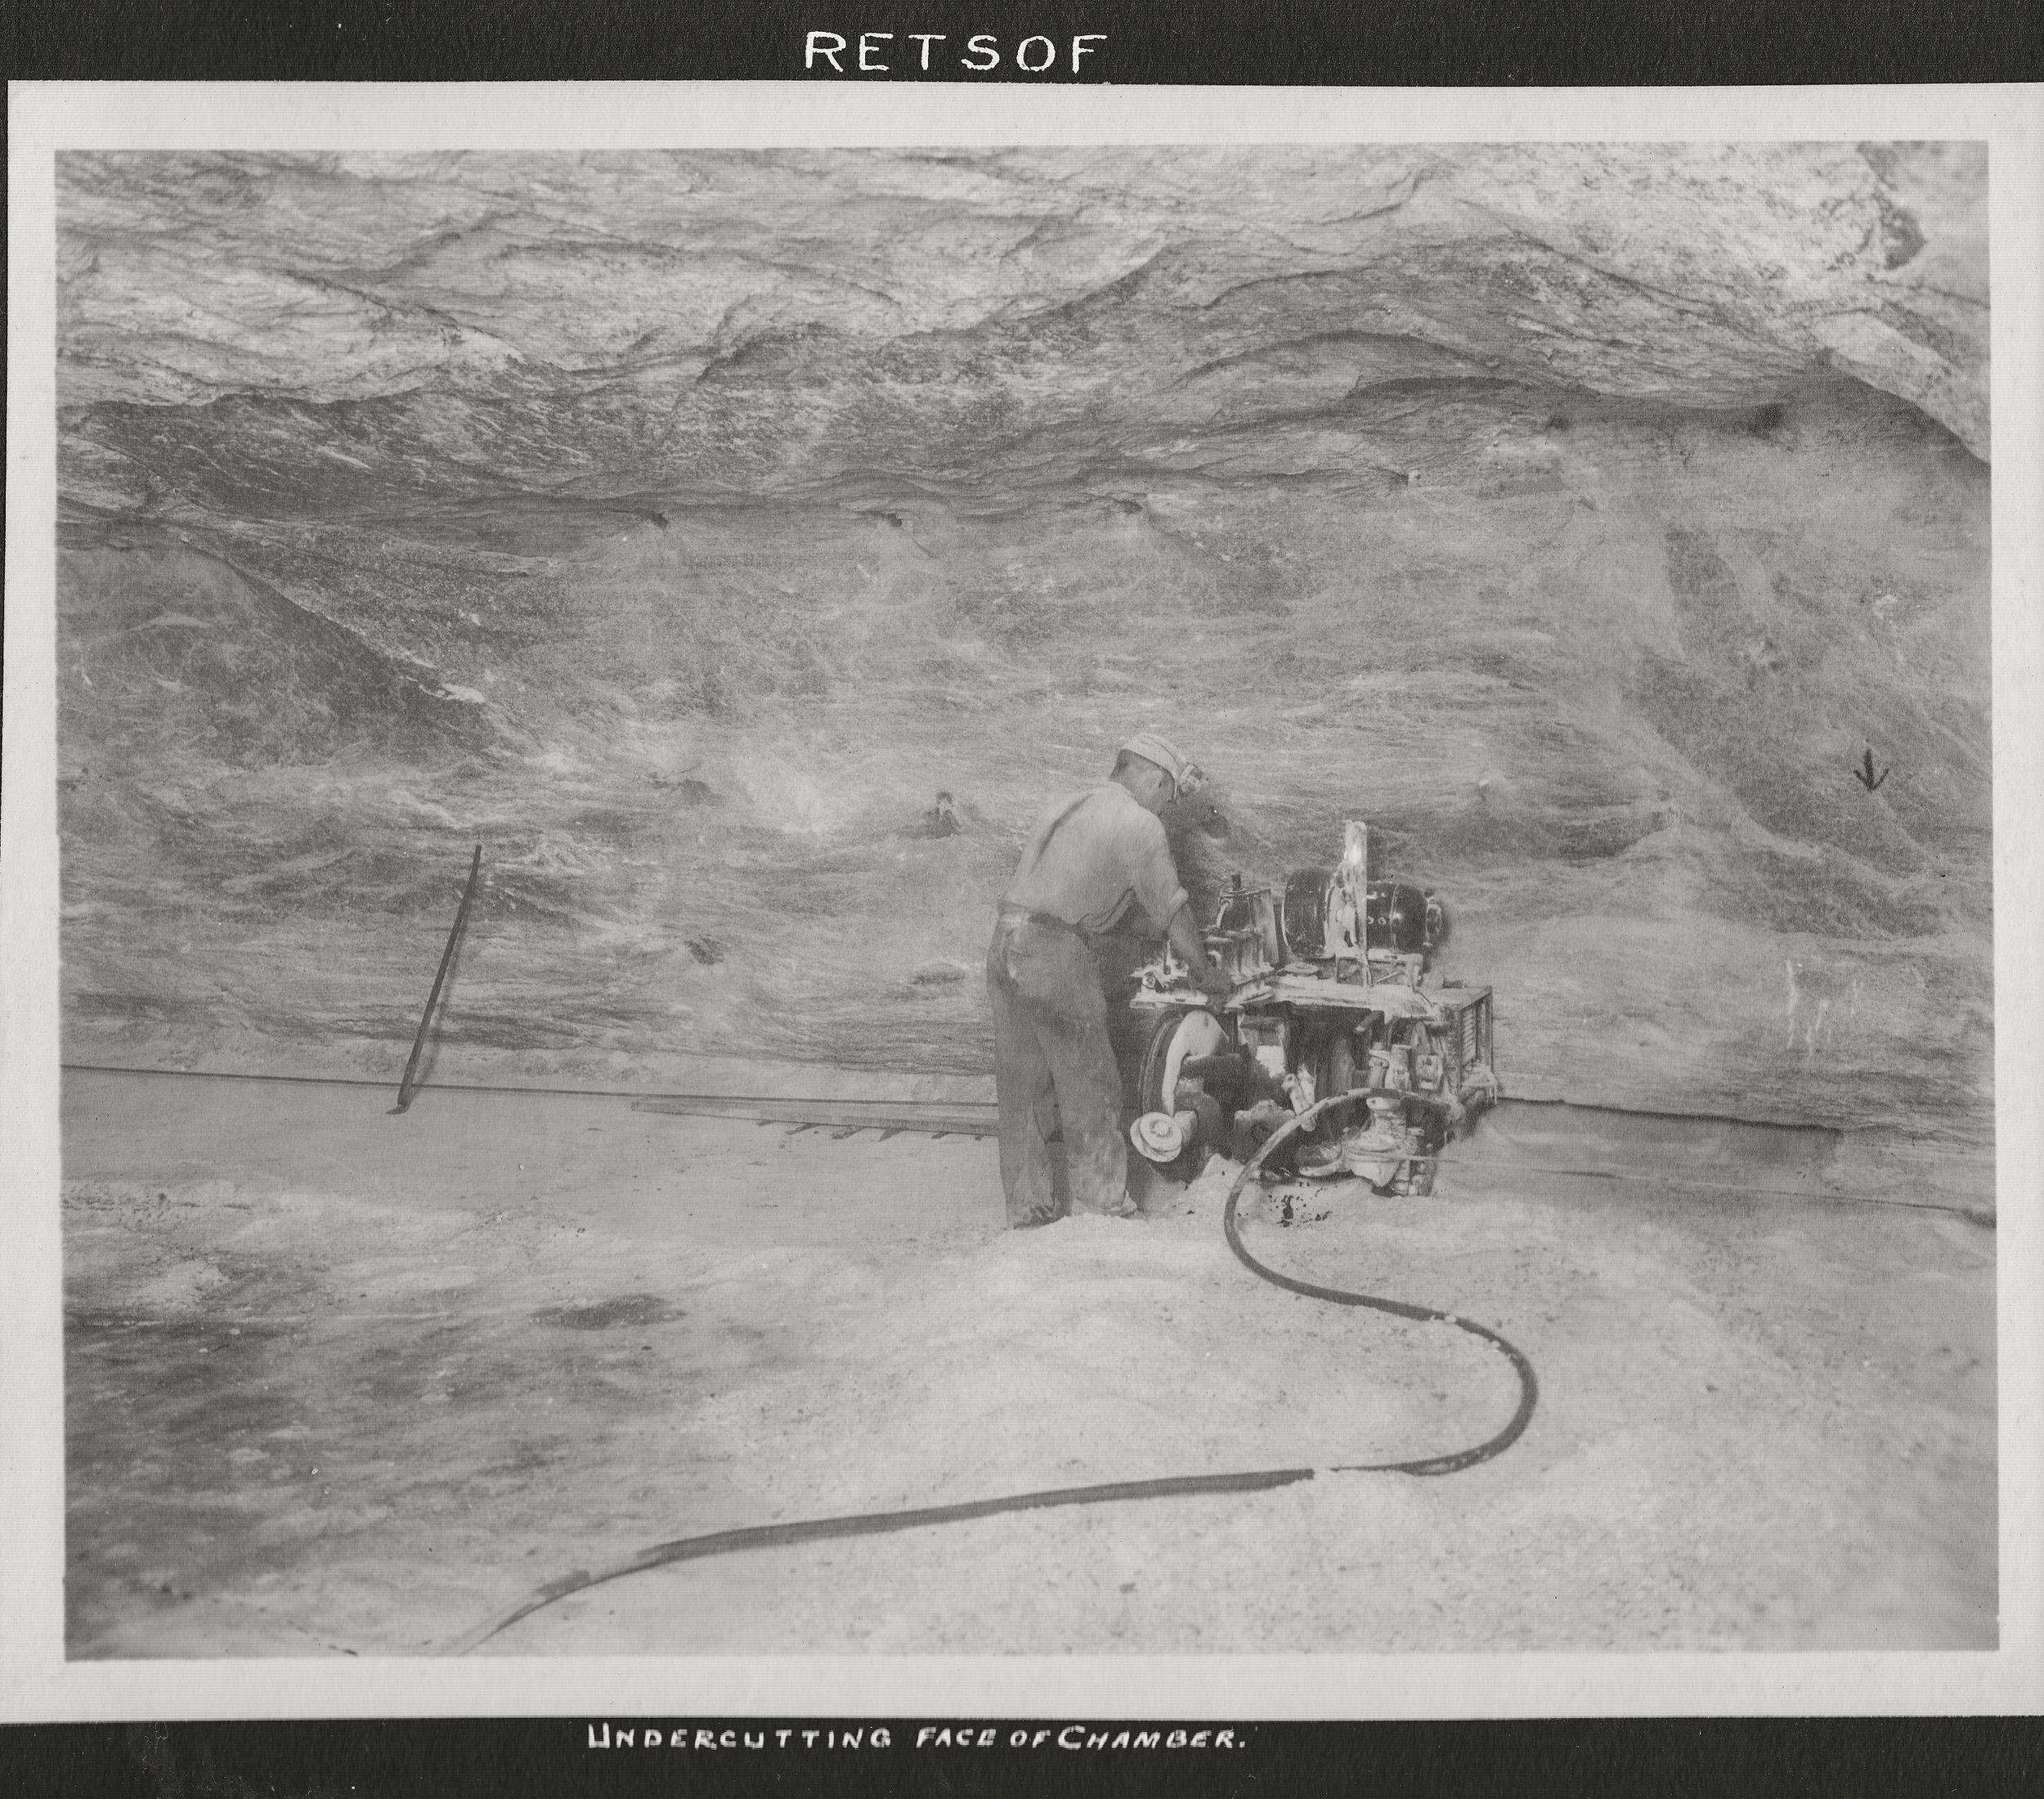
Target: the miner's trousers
pixel 1052 1061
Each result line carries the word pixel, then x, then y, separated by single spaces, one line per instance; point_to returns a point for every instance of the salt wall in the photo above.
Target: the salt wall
pixel 679 526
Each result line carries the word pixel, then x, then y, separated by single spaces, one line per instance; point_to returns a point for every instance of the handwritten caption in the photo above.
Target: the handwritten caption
pixel 873 52
pixel 608 1735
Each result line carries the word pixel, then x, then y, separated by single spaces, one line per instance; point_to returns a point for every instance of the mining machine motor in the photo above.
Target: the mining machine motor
pixel 1328 995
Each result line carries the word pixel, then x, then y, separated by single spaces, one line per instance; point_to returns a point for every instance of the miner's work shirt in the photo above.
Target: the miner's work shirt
pixel 1091 856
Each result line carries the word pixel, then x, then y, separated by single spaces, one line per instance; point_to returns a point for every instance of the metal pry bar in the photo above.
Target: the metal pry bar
pixel 405 1086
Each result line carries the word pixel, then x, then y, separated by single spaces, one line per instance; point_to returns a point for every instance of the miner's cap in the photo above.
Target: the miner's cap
pixel 1184 772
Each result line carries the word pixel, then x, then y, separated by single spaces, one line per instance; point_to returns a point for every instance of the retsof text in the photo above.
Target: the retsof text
pixel 876 52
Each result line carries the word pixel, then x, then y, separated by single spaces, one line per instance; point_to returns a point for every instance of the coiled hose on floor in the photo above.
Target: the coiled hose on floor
pixel 691 1549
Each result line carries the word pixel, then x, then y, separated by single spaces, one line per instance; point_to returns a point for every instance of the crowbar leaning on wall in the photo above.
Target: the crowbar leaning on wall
pixel 405 1086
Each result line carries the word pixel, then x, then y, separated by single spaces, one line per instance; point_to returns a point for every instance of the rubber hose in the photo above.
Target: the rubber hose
pixel 812 1530
pixel 1529 1383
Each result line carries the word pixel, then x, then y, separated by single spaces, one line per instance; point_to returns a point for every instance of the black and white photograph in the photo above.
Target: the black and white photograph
pixel 1027 900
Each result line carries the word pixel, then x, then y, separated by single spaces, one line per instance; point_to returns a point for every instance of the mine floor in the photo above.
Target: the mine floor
pixel 342 1383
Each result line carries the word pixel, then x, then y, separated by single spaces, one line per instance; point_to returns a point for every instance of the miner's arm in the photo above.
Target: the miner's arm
pixel 1186 940
pixel 1157 886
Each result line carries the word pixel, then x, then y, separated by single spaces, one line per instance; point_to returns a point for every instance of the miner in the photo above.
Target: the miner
pixel 1089 859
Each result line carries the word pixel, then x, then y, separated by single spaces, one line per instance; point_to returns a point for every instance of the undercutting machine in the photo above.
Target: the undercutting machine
pixel 1328 994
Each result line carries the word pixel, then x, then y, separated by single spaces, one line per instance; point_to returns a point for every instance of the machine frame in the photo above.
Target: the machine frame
pixel 1327 994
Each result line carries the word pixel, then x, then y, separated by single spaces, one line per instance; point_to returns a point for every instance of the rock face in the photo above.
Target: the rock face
pixel 679 528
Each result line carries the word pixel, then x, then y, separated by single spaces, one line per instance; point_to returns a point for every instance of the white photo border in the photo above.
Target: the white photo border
pixel 37 1683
